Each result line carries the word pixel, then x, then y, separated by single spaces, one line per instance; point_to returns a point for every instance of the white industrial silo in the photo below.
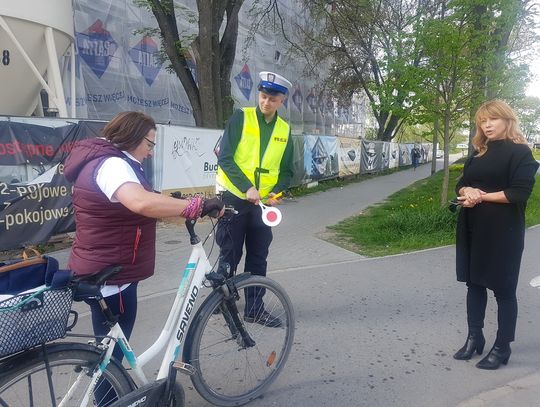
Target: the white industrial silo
pixel 34 36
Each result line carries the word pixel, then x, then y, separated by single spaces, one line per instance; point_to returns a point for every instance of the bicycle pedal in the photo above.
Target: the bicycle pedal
pixel 185 368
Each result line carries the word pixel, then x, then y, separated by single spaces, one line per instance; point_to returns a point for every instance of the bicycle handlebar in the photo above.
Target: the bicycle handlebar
pixel 190 225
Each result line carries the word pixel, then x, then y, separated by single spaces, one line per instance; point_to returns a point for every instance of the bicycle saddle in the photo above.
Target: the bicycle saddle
pixel 87 287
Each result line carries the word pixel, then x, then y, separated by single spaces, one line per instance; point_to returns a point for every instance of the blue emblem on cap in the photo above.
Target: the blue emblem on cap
pixel 272 83
pixel 266 85
pixel 96 47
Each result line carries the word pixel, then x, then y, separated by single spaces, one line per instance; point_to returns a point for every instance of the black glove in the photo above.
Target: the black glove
pixel 176 194
pixel 212 207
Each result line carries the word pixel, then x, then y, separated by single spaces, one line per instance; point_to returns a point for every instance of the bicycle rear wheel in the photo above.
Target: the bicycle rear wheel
pixel 227 372
pixel 23 379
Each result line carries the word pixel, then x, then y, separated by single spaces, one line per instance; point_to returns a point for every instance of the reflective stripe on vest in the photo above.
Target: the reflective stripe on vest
pixel 247 155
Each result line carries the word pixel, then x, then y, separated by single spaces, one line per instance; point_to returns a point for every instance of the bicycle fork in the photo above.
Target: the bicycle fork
pixel 229 309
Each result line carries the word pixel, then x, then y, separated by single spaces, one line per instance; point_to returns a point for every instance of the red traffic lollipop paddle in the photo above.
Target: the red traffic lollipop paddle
pixel 271 216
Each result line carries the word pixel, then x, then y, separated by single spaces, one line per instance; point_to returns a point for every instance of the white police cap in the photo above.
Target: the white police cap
pixel 272 83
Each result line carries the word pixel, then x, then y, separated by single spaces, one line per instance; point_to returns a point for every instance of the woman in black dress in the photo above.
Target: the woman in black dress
pixel 496 183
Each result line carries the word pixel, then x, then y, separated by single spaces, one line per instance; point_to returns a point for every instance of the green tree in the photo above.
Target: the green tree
pixel 499 31
pixel 467 59
pixel 446 73
pixel 214 48
pixel 372 48
pixel 528 110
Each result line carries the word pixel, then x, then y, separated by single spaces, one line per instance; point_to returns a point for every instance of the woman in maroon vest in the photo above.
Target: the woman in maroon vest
pixel 116 211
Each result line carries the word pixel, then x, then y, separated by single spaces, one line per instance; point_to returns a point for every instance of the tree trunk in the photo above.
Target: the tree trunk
pixel 164 13
pixel 446 168
pixel 228 53
pixel 480 74
pixel 507 20
pixel 205 64
pixel 435 145
pixel 210 98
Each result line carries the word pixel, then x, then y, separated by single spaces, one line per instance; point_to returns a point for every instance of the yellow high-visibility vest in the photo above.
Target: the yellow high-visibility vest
pixel 247 155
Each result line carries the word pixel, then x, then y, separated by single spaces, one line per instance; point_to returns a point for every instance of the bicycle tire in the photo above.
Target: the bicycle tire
pixel 66 361
pixel 179 396
pixel 236 375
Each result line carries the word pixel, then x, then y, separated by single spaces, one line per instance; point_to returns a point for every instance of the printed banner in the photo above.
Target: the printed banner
pixel 405 154
pixel 34 212
pixel 385 156
pixel 187 162
pixel 320 157
pixel 349 156
pixel 23 143
pixel 118 69
pixel 393 161
pixel 372 160
pixel 36 205
pixel 299 171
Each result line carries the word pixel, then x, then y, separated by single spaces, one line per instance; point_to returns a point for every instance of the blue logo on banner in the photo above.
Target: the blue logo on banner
pixel 144 55
pixel 96 47
pixel 244 82
pixel 329 106
pixel 345 113
pixel 192 68
pixel 297 98
pixel 321 105
pixel 310 99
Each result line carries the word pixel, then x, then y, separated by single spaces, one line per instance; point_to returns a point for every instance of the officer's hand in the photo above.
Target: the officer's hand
pixel 213 207
pixel 274 199
pixel 252 195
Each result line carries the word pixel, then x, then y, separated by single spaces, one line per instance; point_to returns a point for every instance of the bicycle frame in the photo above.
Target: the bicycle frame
pixel 172 336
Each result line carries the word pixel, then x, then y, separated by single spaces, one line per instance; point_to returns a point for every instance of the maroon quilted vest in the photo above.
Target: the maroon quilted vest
pixel 107 233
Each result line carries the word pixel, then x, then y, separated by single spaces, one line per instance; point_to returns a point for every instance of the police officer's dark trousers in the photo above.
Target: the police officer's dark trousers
pixel 247 228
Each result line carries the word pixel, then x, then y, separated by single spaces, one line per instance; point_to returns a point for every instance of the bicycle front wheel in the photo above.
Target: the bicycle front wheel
pixel 229 373
pixel 23 380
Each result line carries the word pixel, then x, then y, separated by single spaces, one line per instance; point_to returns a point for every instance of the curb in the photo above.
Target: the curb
pixel 484 399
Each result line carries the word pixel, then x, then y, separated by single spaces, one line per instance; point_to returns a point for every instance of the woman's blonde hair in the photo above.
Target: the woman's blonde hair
pixel 501 110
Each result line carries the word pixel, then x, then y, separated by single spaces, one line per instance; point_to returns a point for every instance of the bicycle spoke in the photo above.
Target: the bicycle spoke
pixel 229 374
pixel 29 385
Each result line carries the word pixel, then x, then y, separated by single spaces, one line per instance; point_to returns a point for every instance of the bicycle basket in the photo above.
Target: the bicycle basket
pixel 27 320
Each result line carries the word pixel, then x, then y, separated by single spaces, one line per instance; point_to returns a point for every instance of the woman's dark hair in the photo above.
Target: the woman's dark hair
pixel 126 130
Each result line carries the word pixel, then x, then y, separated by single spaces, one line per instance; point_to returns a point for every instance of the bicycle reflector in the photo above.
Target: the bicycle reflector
pixel 270 216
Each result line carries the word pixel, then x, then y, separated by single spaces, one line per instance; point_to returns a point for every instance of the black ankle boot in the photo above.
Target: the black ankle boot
pixel 472 344
pixel 496 356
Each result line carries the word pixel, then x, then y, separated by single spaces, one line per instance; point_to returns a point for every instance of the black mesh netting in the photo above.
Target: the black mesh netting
pixel 26 321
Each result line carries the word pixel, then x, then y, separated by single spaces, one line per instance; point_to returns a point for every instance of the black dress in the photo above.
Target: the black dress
pixel 490 236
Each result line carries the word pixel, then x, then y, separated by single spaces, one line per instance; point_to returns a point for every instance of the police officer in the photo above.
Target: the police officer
pixel 255 163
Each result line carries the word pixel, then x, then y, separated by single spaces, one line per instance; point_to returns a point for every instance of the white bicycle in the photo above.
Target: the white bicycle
pixel 231 356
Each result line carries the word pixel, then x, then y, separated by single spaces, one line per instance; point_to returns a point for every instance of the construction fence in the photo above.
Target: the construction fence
pixel 35 197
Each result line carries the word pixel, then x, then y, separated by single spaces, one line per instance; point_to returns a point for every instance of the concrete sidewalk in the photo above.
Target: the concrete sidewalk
pixel 524 392
pixel 370 332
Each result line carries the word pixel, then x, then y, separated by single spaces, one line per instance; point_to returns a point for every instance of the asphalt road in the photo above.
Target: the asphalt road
pixel 370 332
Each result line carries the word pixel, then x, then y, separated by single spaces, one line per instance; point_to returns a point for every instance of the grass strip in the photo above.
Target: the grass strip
pixel 409 220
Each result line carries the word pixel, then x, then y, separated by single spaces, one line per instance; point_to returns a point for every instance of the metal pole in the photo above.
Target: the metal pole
pixel 73 72
pixel 54 73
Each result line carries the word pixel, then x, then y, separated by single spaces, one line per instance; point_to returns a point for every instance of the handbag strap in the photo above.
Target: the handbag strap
pixel 27 261
pixel 30 250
